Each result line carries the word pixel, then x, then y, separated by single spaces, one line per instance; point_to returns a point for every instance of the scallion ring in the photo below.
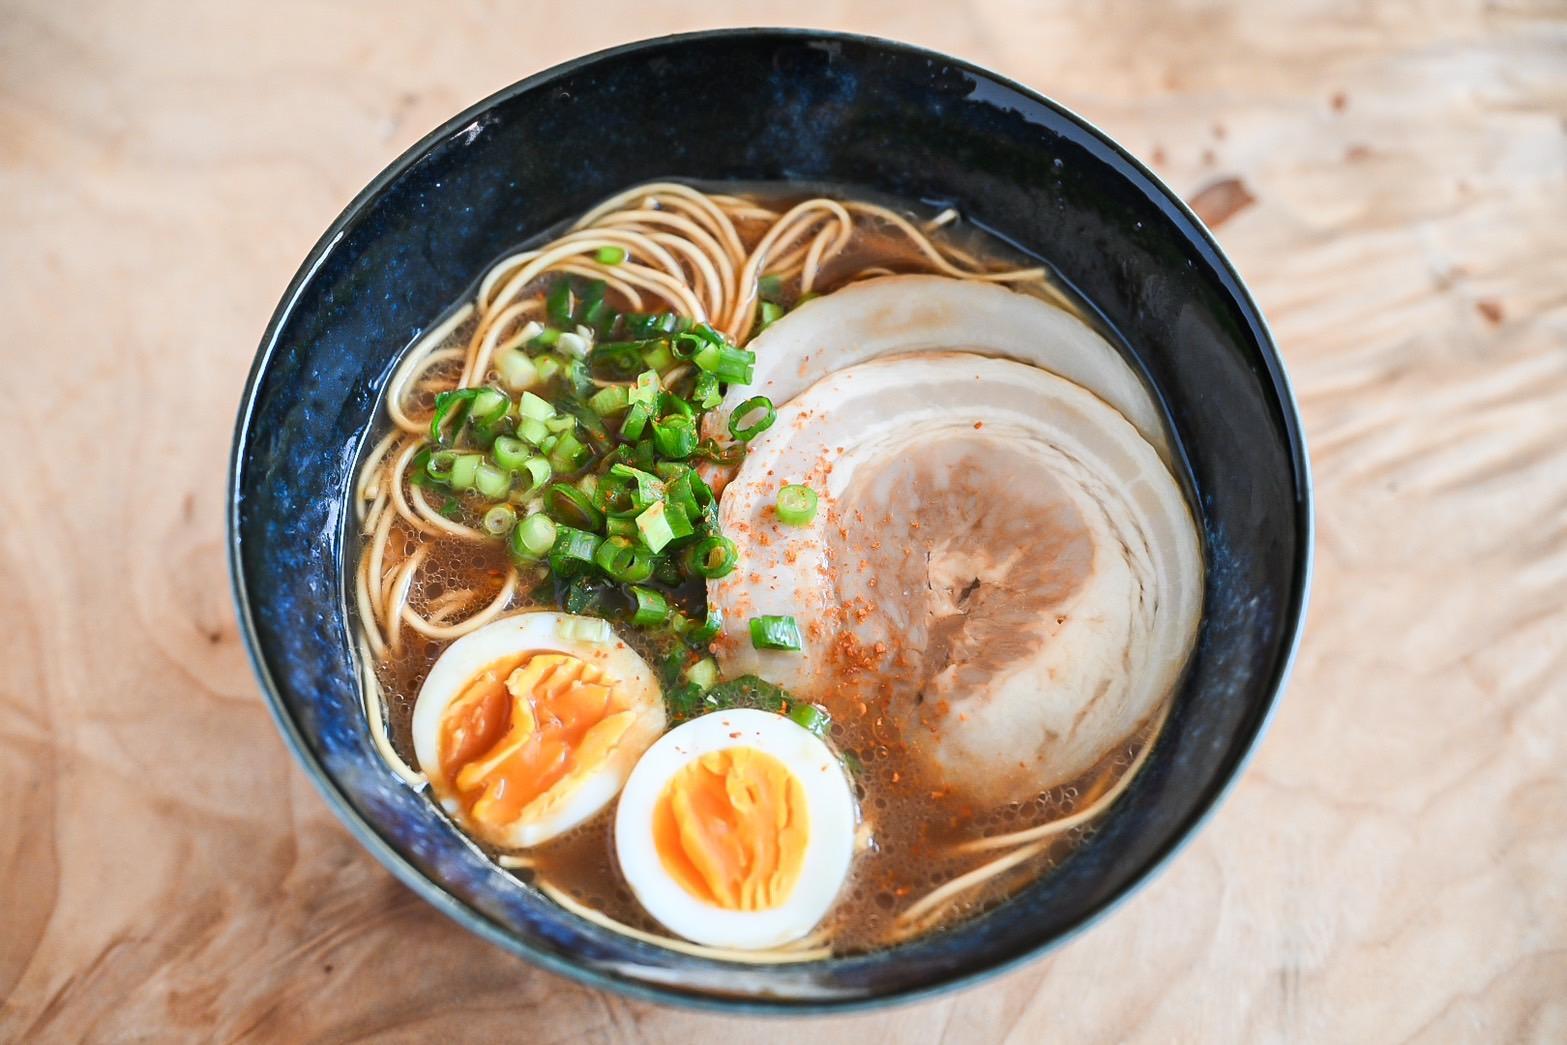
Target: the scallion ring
pixel 745 433
pixel 796 505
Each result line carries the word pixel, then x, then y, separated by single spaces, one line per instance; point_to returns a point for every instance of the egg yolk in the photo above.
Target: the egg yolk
pixel 731 827
pixel 519 735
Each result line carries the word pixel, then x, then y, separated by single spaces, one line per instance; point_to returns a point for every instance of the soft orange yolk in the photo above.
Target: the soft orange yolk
pixel 524 727
pixel 731 828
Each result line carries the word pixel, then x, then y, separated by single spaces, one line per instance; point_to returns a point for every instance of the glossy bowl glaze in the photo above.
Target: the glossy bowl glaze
pixel 768 105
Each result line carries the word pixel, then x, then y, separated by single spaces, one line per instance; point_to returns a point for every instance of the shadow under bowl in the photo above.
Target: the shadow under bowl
pixel 768 105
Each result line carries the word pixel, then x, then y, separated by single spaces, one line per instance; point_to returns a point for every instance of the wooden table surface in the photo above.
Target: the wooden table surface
pixel 1391 179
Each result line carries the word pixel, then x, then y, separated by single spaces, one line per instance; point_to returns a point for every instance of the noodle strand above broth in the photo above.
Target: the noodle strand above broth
pixel 562 461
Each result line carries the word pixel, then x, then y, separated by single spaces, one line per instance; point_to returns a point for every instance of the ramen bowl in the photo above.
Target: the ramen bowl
pixel 749 106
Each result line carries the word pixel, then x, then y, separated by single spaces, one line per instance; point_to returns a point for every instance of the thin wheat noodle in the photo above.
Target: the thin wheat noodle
pixel 936 258
pixel 463 627
pixel 1081 816
pixel 695 234
pixel 589 242
pixel 485 338
pixel 375 559
pixel 398 599
pixel 963 883
pixel 814 256
pixel 376 720
pixel 395 484
pixel 441 522
pixel 595 270
pixel 946 217
pixel 371 468
pixel 367 608
pixel 687 199
pixel 443 604
pixel 794 224
pixel 723 954
pixel 717 297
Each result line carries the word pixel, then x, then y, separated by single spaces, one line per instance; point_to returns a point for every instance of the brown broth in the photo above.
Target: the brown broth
pixel 912 818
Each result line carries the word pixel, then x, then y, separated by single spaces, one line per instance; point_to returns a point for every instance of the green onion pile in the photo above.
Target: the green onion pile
pixel 582 459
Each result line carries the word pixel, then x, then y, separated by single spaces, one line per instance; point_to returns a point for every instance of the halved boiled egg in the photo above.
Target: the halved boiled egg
pixel 736 829
pixel 531 725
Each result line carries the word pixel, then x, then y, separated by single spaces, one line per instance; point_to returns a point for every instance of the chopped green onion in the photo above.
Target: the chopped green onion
pixel 708 630
pixel 713 557
pixel 683 701
pixel 770 314
pixel 595 630
pixel 731 454
pixel 646 391
pixel 623 561
pixel 649 488
pixel 635 421
pixel 567 504
pixel 666 570
pixel 796 505
pixel 588 484
pixel 573 548
pixel 610 255
pixel 729 364
pixel 620 527
pixel 465 469
pixel 517 370
pixel 510 453
pixel 568 454
pixel 675 436
pixel 573 344
pixel 690 343
pixel 439 465
pixel 609 400
pixel 705 392
pixel 671 404
pixel 769 287
pixel 546 338
pixel 499 520
pixel 746 433
pixel 559 303
pixel 747 691
pixel 532 406
pixel 548 366
pixel 813 717
pixel 489 405
pixel 775 633
pixel 614 497
pixel 617 359
pixel 655 527
pixel 448 404
pixel 491 481
pixel 652 608
pixel 703 673
pixel 532 430
pixel 658 357
pixel 533 537
pixel 539 473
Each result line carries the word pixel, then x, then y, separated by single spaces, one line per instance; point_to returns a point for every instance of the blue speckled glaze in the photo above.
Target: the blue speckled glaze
pixel 768 105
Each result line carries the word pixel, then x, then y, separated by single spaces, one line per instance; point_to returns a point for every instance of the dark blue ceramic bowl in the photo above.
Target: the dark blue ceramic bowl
pixel 768 105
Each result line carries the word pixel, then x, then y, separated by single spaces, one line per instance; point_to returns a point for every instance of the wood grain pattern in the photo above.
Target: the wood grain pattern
pixel 1391 179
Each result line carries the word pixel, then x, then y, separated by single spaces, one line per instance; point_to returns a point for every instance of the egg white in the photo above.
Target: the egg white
pixel 828 851
pixel 539 632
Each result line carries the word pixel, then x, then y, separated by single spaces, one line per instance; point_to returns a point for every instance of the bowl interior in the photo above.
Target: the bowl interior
pixel 768 105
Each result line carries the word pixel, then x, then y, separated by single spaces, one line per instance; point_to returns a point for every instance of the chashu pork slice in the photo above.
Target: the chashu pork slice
pixel 916 313
pixel 1001 563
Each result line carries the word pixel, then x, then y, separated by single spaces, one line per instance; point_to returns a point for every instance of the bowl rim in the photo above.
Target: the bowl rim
pixel 475 921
